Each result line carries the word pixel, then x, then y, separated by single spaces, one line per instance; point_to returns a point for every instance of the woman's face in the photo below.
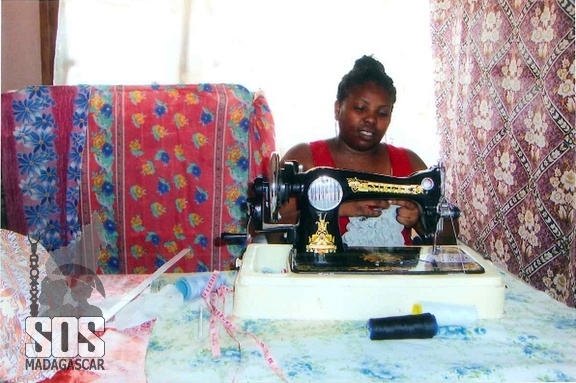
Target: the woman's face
pixel 364 116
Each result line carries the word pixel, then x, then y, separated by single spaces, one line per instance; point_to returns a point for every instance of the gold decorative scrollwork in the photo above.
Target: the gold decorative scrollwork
pixel 359 186
pixel 322 241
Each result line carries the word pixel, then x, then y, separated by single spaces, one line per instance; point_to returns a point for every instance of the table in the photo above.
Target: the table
pixel 535 340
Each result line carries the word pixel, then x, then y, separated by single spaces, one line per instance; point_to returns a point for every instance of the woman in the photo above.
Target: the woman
pixel 363 109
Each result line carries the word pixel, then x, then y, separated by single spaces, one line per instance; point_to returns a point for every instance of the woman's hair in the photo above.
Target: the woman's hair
pixel 366 69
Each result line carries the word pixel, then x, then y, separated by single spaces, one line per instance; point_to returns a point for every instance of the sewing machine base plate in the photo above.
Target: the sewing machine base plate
pixel 267 288
pixel 386 260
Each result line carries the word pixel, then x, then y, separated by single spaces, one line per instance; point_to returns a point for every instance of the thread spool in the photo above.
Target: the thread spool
pixel 420 326
pixel 192 286
pixel 448 314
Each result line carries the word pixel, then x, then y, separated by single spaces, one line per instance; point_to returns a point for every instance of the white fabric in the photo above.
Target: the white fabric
pixel 375 231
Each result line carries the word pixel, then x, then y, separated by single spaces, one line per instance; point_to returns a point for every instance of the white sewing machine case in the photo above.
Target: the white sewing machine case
pixel 267 288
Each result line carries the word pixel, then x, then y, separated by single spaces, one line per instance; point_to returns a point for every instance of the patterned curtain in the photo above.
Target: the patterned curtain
pixel 506 113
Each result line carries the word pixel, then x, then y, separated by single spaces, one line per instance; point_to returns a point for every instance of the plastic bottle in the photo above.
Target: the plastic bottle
pixel 192 286
pixel 448 314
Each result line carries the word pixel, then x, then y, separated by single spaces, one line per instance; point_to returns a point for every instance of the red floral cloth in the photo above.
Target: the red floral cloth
pixel 43 131
pixel 165 167
pixel 169 167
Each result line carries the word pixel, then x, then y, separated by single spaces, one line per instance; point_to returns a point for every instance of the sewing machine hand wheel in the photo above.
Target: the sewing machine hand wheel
pixel 274 187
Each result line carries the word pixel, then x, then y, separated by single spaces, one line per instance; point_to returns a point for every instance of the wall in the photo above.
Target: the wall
pixel 21 62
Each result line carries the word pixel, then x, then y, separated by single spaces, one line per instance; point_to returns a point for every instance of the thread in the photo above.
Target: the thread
pixel 192 286
pixel 420 326
pixel 448 314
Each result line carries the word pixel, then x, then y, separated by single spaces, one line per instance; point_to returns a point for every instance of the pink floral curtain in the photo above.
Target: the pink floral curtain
pixel 506 115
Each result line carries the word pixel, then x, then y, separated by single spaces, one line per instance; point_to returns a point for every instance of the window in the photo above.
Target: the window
pixel 295 51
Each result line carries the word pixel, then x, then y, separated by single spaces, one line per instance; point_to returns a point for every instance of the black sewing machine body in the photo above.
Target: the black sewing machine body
pixel 324 189
pixel 320 191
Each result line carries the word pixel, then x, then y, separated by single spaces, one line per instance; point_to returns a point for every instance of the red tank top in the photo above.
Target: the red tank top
pixel 399 163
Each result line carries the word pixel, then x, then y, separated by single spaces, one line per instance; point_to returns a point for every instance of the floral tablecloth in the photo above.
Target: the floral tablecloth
pixel 535 340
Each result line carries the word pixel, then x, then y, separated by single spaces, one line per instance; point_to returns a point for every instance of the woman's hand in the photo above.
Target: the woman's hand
pixel 407 212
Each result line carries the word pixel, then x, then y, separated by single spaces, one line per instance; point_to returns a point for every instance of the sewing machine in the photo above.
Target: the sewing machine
pixel 317 276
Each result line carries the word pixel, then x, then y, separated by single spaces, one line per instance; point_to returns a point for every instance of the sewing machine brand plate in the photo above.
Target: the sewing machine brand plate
pixel 386 260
